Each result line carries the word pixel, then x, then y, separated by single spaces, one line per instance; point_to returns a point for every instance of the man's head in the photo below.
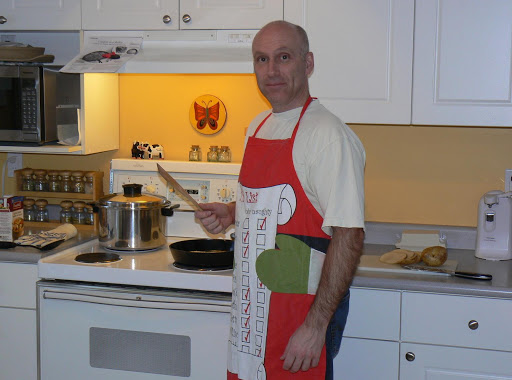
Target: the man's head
pixel 282 64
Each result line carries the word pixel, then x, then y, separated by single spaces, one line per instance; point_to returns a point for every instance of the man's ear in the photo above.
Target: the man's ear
pixel 310 63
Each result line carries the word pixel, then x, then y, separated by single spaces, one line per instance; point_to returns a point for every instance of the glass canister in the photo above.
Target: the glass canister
pixel 41 182
pixel 78 182
pixel 89 182
pixel 27 183
pixel 79 215
pixel 54 183
pixel 213 154
pixel 224 154
pixel 195 153
pixel 89 215
pixel 29 211
pixel 65 183
pixel 66 212
pixel 41 211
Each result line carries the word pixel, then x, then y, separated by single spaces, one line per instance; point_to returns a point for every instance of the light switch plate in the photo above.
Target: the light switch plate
pixel 14 162
pixel 508 180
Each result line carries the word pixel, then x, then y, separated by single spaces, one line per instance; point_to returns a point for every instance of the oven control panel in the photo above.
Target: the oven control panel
pixel 203 190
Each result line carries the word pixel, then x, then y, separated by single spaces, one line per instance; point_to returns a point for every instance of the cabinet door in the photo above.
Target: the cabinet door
pixel 130 14
pixel 229 14
pixel 426 362
pixel 366 359
pixel 40 15
pixel 363 58
pixel 462 60
pixel 18 344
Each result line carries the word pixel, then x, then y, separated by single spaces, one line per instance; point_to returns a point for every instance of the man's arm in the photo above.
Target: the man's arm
pixel 343 254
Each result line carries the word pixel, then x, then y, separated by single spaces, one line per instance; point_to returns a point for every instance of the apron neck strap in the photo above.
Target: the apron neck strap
pixel 304 108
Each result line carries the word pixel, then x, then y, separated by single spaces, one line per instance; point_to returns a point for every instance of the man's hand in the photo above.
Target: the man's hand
pixel 303 349
pixel 216 217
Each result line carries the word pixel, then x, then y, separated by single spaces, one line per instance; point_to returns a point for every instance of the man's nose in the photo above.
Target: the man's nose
pixel 273 68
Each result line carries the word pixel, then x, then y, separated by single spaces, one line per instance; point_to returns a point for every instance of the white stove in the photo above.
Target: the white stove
pixel 140 317
pixel 206 182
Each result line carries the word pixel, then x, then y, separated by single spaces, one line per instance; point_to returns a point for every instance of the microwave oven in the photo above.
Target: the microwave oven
pixel 30 95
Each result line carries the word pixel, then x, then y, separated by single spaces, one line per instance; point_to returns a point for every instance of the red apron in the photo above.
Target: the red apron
pixel 273 289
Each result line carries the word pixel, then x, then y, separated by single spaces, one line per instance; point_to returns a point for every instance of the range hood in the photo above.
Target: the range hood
pixel 190 51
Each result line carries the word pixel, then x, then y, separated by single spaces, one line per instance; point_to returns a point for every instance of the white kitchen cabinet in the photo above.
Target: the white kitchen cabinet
pixel 363 57
pixel 18 328
pixel 425 362
pixel 130 14
pixel 178 14
pixel 462 61
pixel 231 14
pixel 371 334
pixel 40 15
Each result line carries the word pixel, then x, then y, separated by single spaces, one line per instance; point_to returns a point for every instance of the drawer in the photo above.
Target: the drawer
pixel 373 314
pixel 457 320
pixel 18 285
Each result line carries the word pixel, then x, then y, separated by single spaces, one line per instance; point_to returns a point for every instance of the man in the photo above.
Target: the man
pixel 300 191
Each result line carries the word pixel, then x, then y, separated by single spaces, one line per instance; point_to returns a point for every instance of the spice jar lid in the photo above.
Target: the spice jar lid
pixel 77 174
pixel 65 173
pixel 53 172
pixel 41 203
pixel 40 172
pixel 79 205
pixel 66 204
pixel 27 171
pixel 28 202
pixel 89 174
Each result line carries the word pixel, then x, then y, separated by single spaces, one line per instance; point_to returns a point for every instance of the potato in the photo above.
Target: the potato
pixel 434 256
pixel 412 258
pixel 393 257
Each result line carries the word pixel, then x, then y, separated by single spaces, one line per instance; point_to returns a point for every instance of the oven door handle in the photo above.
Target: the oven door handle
pixel 137 301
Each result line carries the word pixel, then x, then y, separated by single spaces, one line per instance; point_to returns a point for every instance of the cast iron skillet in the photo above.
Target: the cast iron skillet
pixel 203 252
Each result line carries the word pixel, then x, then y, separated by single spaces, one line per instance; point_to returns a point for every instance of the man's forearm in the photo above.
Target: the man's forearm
pixel 340 265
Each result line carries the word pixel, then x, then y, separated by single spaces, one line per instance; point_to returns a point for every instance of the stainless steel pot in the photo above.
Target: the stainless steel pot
pixel 132 221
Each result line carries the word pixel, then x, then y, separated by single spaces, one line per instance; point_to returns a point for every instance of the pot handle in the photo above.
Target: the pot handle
pixel 169 211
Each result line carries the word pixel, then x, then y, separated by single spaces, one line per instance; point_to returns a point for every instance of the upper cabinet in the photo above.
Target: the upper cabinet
pixel 40 15
pixel 365 71
pixel 462 63
pixel 363 58
pixel 178 14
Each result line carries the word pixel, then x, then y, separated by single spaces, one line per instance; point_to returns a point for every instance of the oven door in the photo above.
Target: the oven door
pixel 89 332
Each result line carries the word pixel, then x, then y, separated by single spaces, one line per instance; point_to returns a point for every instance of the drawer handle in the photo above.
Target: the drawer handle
pixel 186 19
pixel 410 356
pixel 473 325
pixel 3 20
pixel 166 19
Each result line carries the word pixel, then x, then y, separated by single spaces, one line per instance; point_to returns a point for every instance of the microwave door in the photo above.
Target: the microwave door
pixel 10 104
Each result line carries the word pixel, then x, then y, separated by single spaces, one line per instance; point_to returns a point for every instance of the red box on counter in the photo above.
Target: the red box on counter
pixel 11 218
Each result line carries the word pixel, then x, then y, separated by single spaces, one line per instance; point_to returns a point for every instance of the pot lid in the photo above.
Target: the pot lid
pixel 132 197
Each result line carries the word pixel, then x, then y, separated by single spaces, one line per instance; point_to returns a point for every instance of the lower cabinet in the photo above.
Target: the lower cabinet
pixel 427 362
pixel 18 321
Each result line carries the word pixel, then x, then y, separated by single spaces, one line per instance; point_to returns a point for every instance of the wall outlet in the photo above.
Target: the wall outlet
pixel 508 180
pixel 14 162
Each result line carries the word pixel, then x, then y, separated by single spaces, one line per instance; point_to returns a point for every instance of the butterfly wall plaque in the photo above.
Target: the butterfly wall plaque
pixel 207 114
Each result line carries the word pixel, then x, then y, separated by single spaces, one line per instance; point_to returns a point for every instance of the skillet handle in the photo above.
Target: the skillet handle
pixel 169 211
pixel 473 275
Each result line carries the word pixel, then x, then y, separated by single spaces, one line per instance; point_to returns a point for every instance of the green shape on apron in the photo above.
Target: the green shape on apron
pixel 285 270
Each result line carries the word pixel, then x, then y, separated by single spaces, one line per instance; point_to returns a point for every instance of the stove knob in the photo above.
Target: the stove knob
pixel 150 188
pixel 225 193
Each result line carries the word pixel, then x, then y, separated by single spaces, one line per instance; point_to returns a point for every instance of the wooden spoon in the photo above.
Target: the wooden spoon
pixel 177 186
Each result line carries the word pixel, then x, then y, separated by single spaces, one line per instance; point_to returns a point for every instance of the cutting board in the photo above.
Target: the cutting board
pixel 372 263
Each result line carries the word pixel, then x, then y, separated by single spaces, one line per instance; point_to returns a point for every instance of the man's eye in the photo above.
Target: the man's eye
pixel 261 59
pixel 285 57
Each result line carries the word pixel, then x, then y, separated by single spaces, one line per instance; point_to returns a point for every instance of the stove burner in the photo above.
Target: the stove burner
pixel 97 258
pixel 194 268
pixel 130 251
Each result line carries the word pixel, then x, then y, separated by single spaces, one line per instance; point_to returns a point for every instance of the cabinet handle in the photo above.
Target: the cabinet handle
pixel 3 20
pixel 186 18
pixel 473 325
pixel 410 356
pixel 166 19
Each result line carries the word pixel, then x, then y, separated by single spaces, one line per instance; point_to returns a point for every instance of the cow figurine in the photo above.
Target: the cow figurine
pixel 136 151
pixel 152 150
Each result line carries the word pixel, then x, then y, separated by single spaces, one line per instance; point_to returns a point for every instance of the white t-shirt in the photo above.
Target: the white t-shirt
pixel 329 160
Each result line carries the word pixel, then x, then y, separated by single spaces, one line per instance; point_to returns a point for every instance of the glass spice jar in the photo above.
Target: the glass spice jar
pixel 89 182
pixel 54 183
pixel 66 213
pixel 40 183
pixel 42 214
pixel 79 215
pixel 27 183
pixel 29 211
pixel 89 215
pixel 78 182
pixel 213 155
pixel 65 182
pixel 195 153
pixel 224 154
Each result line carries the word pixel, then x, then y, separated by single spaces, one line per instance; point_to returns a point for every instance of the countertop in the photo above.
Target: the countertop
pixel 500 285
pixel 31 255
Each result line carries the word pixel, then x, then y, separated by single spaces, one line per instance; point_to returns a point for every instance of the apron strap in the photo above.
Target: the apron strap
pixel 304 108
